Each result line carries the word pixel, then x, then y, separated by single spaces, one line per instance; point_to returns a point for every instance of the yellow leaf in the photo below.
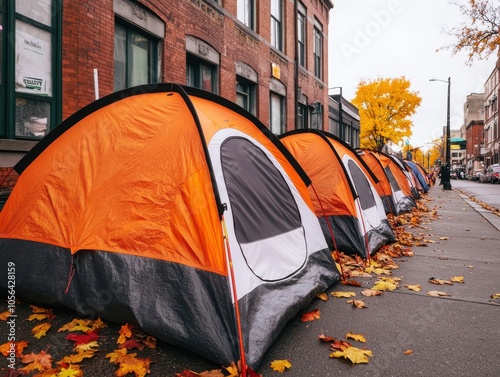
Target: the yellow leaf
pixel 416 287
pixel 115 355
pixel 339 294
pixel 5 315
pixel 495 296
pixel 77 325
pixel 458 279
pixel 384 286
pixel 357 337
pixel 322 296
pixel 280 365
pixel 38 317
pixel 71 371
pixel 437 293
pixel 40 330
pixel 356 355
pixel 87 346
pixel 140 367
pixel 233 370
pixel 78 357
pixel 125 333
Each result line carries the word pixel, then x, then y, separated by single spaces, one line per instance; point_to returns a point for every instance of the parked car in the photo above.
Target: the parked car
pixel 492 174
pixel 495 173
pixel 453 175
pixel 475 175
pixel 482 177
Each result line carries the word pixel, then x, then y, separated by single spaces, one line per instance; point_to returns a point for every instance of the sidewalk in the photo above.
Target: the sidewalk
pixel 448 336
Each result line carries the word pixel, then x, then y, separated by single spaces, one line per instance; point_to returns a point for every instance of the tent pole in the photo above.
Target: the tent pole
pixel 235 297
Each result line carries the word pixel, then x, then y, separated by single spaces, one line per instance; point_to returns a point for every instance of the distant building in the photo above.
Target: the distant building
pixel 343 120
pixel 474 132
pixel 491 117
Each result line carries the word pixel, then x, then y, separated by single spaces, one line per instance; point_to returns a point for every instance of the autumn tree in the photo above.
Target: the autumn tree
pixel 480 34
pixel 385 107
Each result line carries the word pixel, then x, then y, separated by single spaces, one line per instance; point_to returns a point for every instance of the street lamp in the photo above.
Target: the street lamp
pixel 445 175
pixel 341 120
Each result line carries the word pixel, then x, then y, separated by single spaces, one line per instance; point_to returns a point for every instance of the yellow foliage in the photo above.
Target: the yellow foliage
pixel 40 330
pixel 280 365
pixel 356 355
pixel 357 337
pixel 343 294
pixel 385 107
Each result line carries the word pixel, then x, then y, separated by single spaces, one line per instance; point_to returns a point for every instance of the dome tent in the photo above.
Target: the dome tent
pixel 174 209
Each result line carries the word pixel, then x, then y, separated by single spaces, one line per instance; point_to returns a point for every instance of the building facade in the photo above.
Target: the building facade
pixel 491 117
pixel 474 132
pixel 343 120
pixel 268 56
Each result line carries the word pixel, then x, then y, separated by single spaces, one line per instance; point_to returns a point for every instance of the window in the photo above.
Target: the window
pixel 202 65
pixel 201 74
pixel 277 114
pixel 303 116
pixel 277 24
pixel 246 95
pixel 136 57
pixel 28 98
pixel 318 50
pixel 246 13
pixel 301 37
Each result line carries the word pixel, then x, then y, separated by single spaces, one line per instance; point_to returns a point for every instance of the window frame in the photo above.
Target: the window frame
pixel 277 25
pixel 318 50
pixel 302 34
pixel 193 60
pixel 9 96
pixel 247 19
pixel 282 111
pixel 153 53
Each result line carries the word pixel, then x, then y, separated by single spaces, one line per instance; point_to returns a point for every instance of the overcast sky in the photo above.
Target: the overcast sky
pixel 371 39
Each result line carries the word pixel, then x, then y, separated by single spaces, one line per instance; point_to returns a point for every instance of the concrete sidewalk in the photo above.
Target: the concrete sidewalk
pixel 449 336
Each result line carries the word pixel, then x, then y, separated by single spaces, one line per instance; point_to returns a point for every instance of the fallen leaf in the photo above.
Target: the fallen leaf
pixel 87 346
pixel 78 357
pixel 443 238
pixel 371 292
pixel 416 287
pixel 37 361
pixel 5 315
pixel 84 325
pixel 41 330
pixel 437 281
pixel 357 337
pixel 280 365
pixel 351 282
pixel 38 317
pixel 471 266
pixel 125 333
pixel 113 356
pixel 323 296
pixel 19 347
pixel 128 364
pixel 437 293
pixel 356 355
pixel 458 279
pixel 382 285
pixel 408 352
pixel 70 371
pixel 339 294
pixel 83 338
pixel 310 316
pixel 495 296
pixel 357 303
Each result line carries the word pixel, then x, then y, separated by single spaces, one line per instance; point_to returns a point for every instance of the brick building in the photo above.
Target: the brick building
pixel 491 117
pixel 269 56
pixel 474 135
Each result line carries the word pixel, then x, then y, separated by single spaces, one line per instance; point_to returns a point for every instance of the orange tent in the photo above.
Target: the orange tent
pixel 343 192
pixel 174 209
pixel 400 183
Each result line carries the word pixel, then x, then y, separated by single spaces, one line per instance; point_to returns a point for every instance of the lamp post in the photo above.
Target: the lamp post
pixel 341 120
pixel 445 175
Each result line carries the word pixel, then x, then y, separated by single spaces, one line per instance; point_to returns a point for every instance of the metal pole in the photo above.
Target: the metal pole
pixel 446 180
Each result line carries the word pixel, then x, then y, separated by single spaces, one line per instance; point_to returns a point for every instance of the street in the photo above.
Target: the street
pixel 487 193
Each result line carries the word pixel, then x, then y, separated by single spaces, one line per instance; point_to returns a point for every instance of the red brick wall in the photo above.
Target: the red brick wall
pixel 88 43
pixel 88 38
pixel 8 179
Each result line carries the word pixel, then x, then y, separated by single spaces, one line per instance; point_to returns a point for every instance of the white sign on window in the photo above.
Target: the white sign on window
pixel 33 60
